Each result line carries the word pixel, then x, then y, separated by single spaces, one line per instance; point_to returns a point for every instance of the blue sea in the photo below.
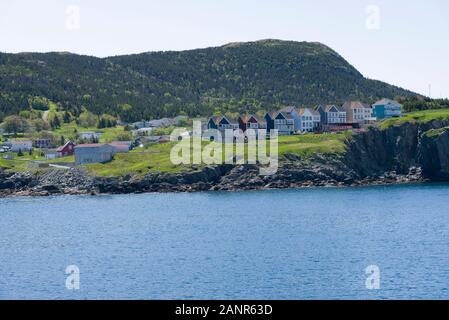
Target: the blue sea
pixel 285 244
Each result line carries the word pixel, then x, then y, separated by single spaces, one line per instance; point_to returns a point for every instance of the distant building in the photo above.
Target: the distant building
pixel 293 113
pixel 309 120
pixel 222 123
pixel 66 150
pixel 93 153
pixel 284 123
pixel 331 114
pixel 43 143
pixel 160 123
pixel 358 112
pixel 20 145
pixel 251 122
pixel 142 132
pixel 305 119
pixel 121 146
pixel 386 108
pixel 269 120
pixel 90 135
pixel 51 154
pixel 141 124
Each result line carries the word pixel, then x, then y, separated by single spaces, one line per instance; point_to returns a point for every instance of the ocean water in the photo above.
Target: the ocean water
pixel 286 244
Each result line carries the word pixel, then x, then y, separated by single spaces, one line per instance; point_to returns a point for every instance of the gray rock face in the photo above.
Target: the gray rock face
pixel 433 155
pixel 397 148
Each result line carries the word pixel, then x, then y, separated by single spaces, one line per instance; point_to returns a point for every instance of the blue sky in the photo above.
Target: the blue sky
pixel 407 45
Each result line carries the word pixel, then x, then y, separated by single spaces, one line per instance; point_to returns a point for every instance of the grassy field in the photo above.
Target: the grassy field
pixel 156 158
pixel 310 144
pixel 15 164
pixel 19 163
pixel 70 131
pixel 419 116
pixel 139 161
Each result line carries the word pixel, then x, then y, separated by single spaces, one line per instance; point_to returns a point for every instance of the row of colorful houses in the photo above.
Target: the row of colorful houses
pixel 323 118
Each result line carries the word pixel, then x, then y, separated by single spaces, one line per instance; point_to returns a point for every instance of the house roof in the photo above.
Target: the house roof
pixel 20 141
pixel 216 119
pixel 385 101
pixel 355 105
pixel 271 114
pixel 286 115
pixel 247 117
pixel 313 112
pixel 91 145
pixel 328 107
pixel 231 120
pixel 59 149
pixel 122 143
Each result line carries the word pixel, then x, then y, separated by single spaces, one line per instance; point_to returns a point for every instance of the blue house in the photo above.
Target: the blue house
pixel 269 119
pixel 284 123
pixel 386 108
pixel 331 114
pixel 305 119
pixel 222 123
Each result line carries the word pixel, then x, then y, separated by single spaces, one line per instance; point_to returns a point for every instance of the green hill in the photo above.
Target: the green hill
pixel 237 77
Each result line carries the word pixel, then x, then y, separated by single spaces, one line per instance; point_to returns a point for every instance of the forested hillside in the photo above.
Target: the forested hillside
pixel 233 78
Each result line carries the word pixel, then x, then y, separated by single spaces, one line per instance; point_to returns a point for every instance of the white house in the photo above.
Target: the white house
pixel 90 135
pixel 309 120
pixel 51 154
pixel 20 145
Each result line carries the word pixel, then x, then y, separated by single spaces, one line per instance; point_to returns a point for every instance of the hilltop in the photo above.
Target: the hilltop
pixel 237 77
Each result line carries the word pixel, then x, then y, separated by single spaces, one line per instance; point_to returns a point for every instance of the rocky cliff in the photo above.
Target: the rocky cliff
pixel 399 148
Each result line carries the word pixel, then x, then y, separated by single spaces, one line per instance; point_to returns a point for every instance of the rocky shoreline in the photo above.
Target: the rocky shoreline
pixel 400 154
pixel 321 172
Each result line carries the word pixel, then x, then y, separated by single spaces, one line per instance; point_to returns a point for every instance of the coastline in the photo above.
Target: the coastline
pixel 213 178
pixel 408 153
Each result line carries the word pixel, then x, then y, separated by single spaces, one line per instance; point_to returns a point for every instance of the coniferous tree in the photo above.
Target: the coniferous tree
pixel 66 117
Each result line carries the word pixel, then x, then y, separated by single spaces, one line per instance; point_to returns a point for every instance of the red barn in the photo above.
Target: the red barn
pixel 251 122
pixel 66 150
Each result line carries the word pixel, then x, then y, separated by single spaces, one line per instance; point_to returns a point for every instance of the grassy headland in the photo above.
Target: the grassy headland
pixel 156 158
pixel 417 117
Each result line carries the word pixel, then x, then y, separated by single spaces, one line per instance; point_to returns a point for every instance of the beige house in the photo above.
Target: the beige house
pixel 358 112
